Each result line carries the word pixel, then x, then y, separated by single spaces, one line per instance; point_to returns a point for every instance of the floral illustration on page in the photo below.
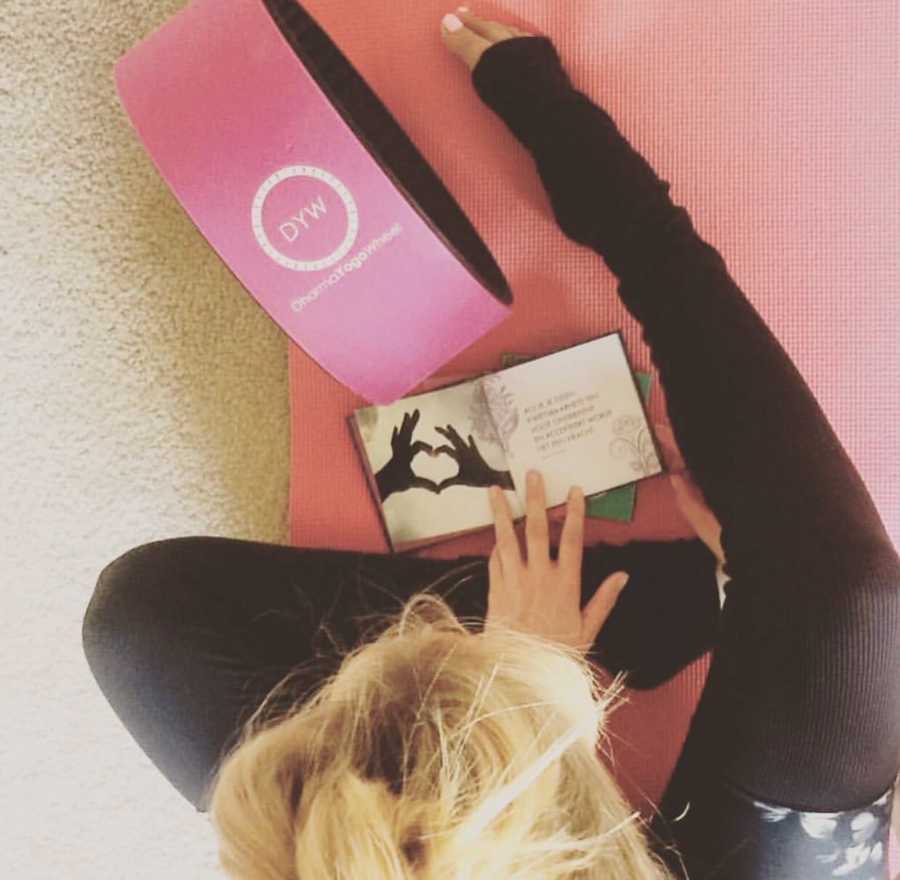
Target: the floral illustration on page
pixel 632 440
pixel 480 417
pixel 501 408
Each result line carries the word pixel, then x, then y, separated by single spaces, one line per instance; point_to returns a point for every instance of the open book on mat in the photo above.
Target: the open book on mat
pixel 612 504
pixel 576 415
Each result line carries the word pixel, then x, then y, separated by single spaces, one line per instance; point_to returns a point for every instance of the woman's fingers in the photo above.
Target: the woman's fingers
pixel 495 571
pixel 666 438
pixel 464 43
pixel 537 534
pixel 601 605
pixel 691 503
pixel 688 496
pixel 507 542
pixel 490 30
pixel 571 540
pixel 498 600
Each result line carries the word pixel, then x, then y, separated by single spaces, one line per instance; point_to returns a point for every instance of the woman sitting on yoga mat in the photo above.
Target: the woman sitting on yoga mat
pixel 436 749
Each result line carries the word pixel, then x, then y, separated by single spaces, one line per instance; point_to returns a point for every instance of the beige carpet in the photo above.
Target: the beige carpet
pixel 144 396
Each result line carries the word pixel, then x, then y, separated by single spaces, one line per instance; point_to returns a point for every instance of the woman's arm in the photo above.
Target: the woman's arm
pixel 803 699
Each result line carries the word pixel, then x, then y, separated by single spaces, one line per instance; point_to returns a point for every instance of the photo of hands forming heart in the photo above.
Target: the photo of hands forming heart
pixel 397 475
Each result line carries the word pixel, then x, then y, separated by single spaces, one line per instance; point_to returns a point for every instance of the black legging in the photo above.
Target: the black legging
pixel 801 707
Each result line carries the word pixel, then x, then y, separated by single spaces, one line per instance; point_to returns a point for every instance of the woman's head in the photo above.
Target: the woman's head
pixel 437 750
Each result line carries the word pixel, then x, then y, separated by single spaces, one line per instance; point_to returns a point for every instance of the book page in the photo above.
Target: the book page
pixel 576 416
pixel 451 474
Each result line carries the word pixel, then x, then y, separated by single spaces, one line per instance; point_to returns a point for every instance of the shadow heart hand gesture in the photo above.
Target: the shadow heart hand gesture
pixel 473 469
pixel 397 475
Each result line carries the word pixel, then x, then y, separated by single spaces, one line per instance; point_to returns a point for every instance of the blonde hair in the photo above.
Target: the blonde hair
pixel 437 751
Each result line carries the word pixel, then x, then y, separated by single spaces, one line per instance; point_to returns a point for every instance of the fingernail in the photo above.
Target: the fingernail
pixel 451 22
pixel 532 477
pixel 622 581
pixel 574 493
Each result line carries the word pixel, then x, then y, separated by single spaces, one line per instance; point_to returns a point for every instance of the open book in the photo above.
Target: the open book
pixel 576 415
pixel 612 504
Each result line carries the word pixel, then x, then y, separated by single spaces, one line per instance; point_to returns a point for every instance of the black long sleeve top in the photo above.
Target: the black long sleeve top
pixel 790 761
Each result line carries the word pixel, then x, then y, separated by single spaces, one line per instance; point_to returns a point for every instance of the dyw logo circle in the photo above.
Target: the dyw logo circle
pixel 301 216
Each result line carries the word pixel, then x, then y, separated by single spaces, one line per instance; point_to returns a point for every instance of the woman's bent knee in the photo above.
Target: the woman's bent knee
pixel 125 585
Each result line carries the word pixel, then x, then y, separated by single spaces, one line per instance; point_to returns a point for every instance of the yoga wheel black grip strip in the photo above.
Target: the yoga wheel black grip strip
pixel 386 141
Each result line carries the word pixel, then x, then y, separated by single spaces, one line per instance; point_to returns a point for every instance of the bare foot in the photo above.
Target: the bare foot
pixel 473 35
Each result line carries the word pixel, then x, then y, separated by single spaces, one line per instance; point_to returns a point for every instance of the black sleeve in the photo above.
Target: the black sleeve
pixel 187 636
pixel 666 617
pixel 801 709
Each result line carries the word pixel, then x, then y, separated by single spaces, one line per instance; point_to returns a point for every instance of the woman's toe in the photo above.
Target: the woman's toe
pixel 492 31
pixel 462 41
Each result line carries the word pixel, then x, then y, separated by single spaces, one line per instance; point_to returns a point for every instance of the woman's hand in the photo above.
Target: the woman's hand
pixel 538 595
pixel 688 496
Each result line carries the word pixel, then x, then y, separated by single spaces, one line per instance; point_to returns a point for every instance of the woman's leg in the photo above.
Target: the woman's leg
pixel 187 636
pixel 803 697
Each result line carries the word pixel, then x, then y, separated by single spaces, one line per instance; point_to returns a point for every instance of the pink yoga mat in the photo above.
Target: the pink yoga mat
pixel 777 125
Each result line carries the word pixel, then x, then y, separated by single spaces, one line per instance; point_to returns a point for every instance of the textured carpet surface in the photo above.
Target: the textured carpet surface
pixel 146 395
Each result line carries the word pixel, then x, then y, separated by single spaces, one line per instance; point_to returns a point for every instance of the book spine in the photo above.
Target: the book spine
pixel 370 479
